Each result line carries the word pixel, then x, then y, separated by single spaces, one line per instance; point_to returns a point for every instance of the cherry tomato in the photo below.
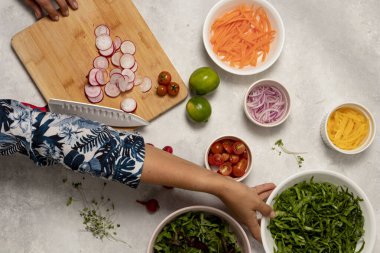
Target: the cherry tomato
pixel 227 145
pixel 164 78
pixel 218 159
pixel 168 149
pixel 217 148
pixel 173 89
pixel 225 169
pixel 239 169
pixel 211 160
pixel 245 154
pixel 238 147
pixel 162 90
pixel 225 156
pixel 234 158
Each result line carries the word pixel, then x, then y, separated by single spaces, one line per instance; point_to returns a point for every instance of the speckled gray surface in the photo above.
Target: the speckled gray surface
pixel 331 55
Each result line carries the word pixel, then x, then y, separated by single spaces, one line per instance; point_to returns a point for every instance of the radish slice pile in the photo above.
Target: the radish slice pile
pixel 266 104
pixel 118 77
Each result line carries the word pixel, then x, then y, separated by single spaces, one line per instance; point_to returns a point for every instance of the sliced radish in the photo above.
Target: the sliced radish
pixel 112 90
pixel 146 84
pixel 130 86
pixel 101 76
pixel 116 58
pixel 127 61
pixel 92 77
pixel 122 84
pixel 96 99
pixel 103 42
pixel 135 67
pixel 117 42
pixel 92 91
pixel 129 73
pixel 138 80
pixel 128 47
pixel 115 78
pixel 128 105
pixel 107 52
pixel 115 71
pixel 101 30
pixel 101 62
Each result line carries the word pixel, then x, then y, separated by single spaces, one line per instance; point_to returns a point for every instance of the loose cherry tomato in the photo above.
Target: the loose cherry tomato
pixel 227 145
pixel 238 147
pixel 234 158
pixel 164 78
pixel 173 89
pixel 162 90
pixel 239 169
pixel 218 159
pixel 217 148
pixel 168 149
pixel 225 169
pixel 225 156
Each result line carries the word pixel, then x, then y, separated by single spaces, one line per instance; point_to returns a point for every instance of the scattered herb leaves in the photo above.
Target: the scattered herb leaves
pixel 279 147
pixel 197 232
pixel 317 217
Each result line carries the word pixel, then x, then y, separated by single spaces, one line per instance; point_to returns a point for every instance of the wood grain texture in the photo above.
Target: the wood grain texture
pixel 59 55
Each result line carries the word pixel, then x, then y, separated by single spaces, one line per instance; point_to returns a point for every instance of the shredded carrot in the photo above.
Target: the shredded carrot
pixel 242 37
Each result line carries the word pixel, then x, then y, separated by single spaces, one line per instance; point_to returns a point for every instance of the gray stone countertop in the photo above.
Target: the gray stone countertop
pixel 331 55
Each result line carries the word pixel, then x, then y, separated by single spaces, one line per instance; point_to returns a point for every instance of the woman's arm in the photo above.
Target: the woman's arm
pixel 163 168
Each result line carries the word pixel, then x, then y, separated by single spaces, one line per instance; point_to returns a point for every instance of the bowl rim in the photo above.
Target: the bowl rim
pixel 351 183
pixel 285 92
pixel 254 70
pixel 249 168
pixel 199 208
pixel 372 124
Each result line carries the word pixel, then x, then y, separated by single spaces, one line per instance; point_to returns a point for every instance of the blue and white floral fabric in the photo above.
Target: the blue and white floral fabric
pixel 80 144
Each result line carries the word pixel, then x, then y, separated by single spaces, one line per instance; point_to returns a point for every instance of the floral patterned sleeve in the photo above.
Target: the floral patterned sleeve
pixel 81 145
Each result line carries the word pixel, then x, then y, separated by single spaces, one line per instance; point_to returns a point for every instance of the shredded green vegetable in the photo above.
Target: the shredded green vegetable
pixel 196 232
pixel 317 217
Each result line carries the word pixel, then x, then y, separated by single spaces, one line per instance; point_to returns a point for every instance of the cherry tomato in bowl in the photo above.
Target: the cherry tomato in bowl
pixel 229 156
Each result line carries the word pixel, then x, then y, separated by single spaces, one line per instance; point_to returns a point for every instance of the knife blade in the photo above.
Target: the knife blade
pixel 106 115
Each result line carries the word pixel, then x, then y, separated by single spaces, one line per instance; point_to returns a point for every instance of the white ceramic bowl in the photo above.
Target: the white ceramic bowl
pixel 224 6
pixel 365 144
pixel 235 138
pixel 234 225
pixel 336 179
pixel 282 89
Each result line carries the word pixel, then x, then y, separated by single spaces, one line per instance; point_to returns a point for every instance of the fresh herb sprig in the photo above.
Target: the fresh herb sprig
pixel 97 215
pixel 197 232
pixel 279 147
pixel 317 217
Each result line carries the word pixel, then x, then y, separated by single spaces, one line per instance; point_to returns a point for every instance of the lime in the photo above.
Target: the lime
pixel 204 80
pixel 198 109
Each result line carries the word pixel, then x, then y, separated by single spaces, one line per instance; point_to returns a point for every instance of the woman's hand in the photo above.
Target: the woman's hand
pixel 244 201
pixel 38 6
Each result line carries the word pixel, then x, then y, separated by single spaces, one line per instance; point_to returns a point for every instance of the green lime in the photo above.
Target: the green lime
pixel 204 80
pixel 198 109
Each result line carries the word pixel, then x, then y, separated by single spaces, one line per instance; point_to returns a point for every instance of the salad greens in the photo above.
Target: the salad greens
pixel 196 232
pixel 317 217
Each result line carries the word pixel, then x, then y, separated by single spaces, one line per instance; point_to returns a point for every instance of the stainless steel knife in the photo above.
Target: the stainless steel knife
pixel 106 115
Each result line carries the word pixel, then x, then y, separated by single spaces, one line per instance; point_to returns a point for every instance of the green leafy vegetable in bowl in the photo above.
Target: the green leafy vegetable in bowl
pixel 197 232
pixel 317 217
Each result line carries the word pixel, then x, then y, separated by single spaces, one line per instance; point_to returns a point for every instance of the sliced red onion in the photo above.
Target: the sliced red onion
pixel 266 104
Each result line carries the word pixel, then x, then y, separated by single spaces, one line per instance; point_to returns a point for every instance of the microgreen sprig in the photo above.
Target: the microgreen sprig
pixel 280 148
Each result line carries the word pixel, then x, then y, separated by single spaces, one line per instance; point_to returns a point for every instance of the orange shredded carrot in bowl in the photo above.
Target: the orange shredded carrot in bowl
pixel 242 37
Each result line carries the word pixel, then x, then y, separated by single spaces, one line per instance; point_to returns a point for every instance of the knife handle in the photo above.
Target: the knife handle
pixel 42 109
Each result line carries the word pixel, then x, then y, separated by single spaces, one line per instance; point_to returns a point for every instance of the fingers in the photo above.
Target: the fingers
pixel 63 7
pixel 49 8
pixel 35 7
pixel 264 187
pixel 263 196
pixel 265 209
pixel 73 4
pixel 254 228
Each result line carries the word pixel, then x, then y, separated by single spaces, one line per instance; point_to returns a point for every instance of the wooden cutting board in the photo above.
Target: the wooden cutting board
pixel 59 55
